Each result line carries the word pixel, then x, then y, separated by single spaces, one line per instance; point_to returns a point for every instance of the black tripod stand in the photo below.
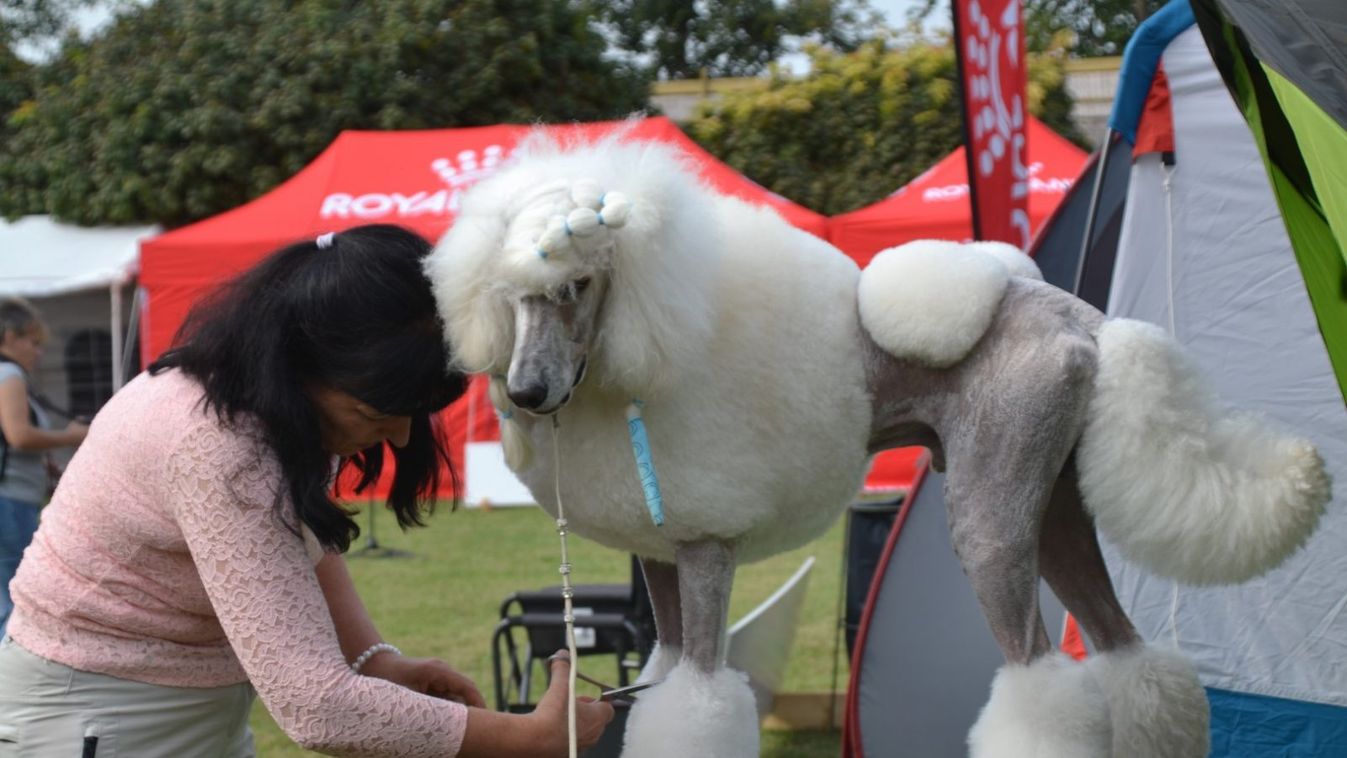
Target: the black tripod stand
pixel 372 548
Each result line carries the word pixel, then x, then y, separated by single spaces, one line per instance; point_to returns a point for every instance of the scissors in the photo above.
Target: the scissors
pixel 609 694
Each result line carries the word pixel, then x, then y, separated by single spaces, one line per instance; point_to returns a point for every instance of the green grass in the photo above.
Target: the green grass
pixel 444 599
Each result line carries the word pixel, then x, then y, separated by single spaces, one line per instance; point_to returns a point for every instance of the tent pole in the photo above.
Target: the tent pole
pixel 462 497
pixel 1090 217
pixel 115 291
pixel 132 333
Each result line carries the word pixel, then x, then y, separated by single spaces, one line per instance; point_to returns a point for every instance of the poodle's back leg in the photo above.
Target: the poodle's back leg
pixel 997 503
pixel 1156 705
pixel 1070 561
pixel 994 517
pixel 1014 437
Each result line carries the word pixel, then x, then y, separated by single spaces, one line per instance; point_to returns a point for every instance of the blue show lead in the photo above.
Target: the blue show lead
pixel 645 465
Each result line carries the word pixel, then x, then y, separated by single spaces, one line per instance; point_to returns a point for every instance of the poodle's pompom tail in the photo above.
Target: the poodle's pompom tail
pixel 1183 488
pixel 514 439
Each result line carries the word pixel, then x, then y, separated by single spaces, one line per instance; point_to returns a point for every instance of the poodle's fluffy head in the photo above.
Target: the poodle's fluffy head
pixel 592 255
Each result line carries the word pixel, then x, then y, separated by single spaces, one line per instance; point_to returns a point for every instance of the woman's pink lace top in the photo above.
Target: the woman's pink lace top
pixel 164 558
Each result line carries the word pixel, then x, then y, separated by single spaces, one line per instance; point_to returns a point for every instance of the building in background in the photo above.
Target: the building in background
pixel 82 281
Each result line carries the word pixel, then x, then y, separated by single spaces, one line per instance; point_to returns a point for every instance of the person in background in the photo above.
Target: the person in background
pixel 26 436
pixel 191 554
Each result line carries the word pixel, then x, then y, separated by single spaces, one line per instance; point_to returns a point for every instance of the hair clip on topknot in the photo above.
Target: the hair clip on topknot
pixel 595 208
pixel 587 193
pixel 615 210
pixel 553 237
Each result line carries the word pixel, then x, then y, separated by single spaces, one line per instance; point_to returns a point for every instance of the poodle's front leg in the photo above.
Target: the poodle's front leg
pixel 701 708
pixel 705 578
pixel 661 581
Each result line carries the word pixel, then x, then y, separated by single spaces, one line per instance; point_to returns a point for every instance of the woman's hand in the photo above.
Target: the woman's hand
pixel 591 716
pixel 429 676
pixel 540 734
pixel 76 431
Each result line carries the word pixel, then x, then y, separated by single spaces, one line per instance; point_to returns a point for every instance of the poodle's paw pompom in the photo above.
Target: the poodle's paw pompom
pixel 1051 708
pixel 692 713
pixel 1158 708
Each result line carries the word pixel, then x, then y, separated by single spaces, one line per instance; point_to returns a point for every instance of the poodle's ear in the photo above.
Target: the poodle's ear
pixel 478 320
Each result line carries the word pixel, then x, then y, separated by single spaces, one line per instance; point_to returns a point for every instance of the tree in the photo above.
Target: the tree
pixel 185 108
pixel 859 125
pixel 15 84
pixel 15 90
pixel 679 39
pixel 1098 27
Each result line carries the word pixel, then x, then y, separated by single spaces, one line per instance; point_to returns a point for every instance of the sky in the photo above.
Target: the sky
pixel 894 10
pixel 895 13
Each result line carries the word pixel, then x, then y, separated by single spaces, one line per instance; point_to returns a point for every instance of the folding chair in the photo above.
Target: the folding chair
pixel 610 619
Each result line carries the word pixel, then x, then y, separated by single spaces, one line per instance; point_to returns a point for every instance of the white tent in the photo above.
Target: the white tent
pixel 81 279
pixel 1204 253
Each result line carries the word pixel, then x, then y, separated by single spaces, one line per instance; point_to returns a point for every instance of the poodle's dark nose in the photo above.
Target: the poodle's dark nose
pixel 530 396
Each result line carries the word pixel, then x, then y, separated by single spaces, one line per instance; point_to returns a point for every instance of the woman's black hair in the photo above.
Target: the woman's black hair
pixel 355 314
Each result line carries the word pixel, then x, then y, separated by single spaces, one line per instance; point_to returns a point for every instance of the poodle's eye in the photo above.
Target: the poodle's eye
pixel 571 291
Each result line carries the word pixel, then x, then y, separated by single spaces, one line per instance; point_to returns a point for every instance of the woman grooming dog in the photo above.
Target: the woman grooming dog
pixel 192 552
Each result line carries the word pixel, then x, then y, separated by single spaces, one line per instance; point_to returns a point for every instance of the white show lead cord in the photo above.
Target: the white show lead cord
pixel 567 592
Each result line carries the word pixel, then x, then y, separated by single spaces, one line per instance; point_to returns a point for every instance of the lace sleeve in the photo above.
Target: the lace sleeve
pixel 262 586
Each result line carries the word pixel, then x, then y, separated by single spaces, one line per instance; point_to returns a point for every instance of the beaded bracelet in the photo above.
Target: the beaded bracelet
pixel 375 649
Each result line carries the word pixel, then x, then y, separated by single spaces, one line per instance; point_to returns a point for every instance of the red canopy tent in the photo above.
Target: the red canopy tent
pixel 412 178
pixel 935 204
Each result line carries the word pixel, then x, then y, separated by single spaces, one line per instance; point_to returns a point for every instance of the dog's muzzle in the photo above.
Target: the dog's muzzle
pixel 575 382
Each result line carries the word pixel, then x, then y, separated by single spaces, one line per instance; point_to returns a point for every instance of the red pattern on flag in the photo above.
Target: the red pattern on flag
pixel 989 38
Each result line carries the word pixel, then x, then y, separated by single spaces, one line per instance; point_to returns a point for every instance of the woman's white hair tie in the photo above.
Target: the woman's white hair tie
pixel 324 241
